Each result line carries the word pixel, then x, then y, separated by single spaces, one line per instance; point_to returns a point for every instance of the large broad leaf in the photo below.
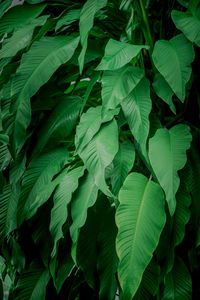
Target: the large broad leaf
pixel 136 108
pixel 59 123
pixel 118 54
pixel 32 284
pixel 172 59
pixel 164 91
pixel 37 177
pixel 116 85
pixel 61 199
pixel 71 16
pixel 140 219
pixel 123 163
pixel 167 154
pixel 19 16
pixel 36 68
pixel 21 38
pixel 178 283
pixel 8 209
pixel 85 197
pixel 90 124
pixel 90 8
pixel 100 152
pixel 189 23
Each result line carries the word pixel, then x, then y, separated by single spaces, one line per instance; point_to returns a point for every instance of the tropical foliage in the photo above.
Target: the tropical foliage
pixel 99 141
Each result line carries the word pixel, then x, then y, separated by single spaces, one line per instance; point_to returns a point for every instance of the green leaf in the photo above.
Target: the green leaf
pixel 19 16
pixel 118 54
pixel 90 8
pixel 37 66
pixel 36 179
pixel 136 108
pixel 21 38
pixel 71 16
pixel 189 23
pixel 178 283
pixel 84 198
pixel 172 59
pixel 116 85
pixel 140 219
pixel 61 199
pixel 164 91
pixel 167 154
pixel 100 152
pixel 123 163
pixel 32 284
pixel 59 123
pixel 8 207
pixel 4 139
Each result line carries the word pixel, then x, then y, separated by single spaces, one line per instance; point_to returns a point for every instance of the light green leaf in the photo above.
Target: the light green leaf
pixel 164 91
pixel 21 38
pixel 71 16
pixel 140 219
pixel 123 163
pixel 189 23
pixel 90 8
pixel 84 198
pixel 4 139
pixel 32 283
pixel 59 123
pixel 61 199
pixel 37 66
pixel 19 16
pixel 37 177
pixel 136 107
pixel 178 283
pixel 116 85
pixel 118 54
pixel 167 154
pixel 173 60
pixel 100 152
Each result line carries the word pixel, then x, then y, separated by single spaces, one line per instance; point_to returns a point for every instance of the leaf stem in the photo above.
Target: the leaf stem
pixel 147 33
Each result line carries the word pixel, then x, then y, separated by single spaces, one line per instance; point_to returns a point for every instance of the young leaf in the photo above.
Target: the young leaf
pixel 167 154
pixel 117 84
pixel 123 163
pixel 90 8
pixel 100 152
pixel 136 107
pixel 118 54
pixel 172 59
pixel 140 219
pixel 189 23
pixel 61 199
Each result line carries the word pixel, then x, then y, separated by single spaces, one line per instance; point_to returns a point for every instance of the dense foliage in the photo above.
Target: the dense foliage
pixel 99 141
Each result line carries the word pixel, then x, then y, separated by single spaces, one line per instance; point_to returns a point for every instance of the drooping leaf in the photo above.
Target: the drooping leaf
pixel 84 198
pixel 88 11
pixel 20 38
pixel 70 17
pixel 19 16
pixel 100 152
pixel 163 91
pixel 178 283
pixel 140 219
pixel 189 23
pixel 172 59
pixel 123 163
pixel 167 154
pixel 118 54
pixel 32 283
pixel 37 66
pixel 62 197
pixel 59 123
pixel 136 107
pixel 35 182
pixel 117 84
